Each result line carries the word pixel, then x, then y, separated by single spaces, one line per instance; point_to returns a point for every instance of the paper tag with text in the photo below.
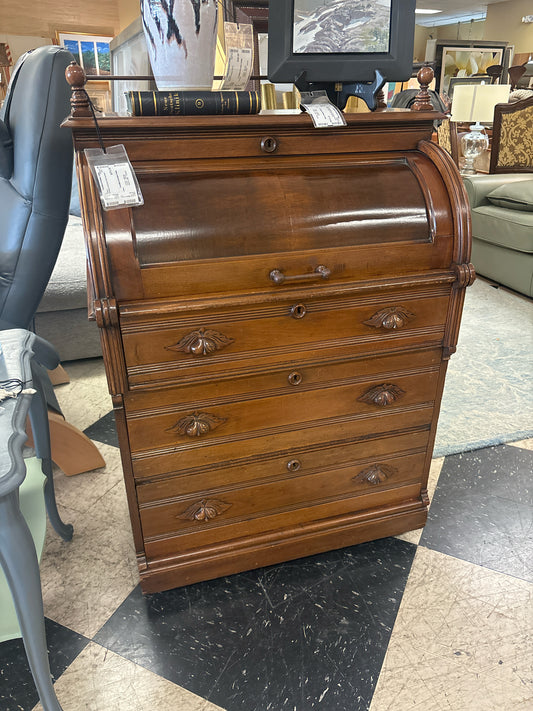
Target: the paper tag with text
pixel 239 45
pixel 114 176
pixel 323 113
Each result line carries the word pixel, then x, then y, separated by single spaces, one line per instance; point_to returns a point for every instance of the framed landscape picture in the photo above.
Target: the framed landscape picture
pixel 90 51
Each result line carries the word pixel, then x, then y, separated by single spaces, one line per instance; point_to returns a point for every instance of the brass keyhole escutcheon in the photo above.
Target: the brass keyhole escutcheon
pixel 295 378
pixel 293 465
pixel 269 144
pixel 298 311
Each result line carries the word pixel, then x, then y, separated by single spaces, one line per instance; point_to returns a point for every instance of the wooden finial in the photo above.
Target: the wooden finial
pixel 78 101
pixel 422 99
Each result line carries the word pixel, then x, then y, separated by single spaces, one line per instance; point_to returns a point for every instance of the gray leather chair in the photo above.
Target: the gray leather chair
pixel 35 197
pixel 36 157
pixel 35 180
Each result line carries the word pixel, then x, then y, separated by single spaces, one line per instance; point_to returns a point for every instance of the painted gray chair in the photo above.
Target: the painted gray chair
pixel 17 551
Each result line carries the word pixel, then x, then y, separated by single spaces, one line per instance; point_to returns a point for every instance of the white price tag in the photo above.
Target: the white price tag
pixel 114 177
pixel 325 114
pixel 239 47
pixel 238 69
pixel 117 184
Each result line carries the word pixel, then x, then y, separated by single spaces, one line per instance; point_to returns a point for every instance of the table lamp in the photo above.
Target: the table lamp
pixel 475 103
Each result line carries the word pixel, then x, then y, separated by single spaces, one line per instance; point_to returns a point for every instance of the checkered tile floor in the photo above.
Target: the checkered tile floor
pixel 434 620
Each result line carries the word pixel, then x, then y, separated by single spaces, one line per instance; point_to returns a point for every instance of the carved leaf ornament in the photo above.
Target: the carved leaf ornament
pixel 392 318
pixel 204 510
pixel 382 395
pixel 196 424
pixel 376 474
pixel 202 342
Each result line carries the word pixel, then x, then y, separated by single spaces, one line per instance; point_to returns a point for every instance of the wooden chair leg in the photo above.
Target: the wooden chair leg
pixel 72 451
pixel 58 376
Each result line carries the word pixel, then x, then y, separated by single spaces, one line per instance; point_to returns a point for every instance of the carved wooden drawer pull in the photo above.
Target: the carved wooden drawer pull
pixel 382 395
pixel 321 272
pixel 393 318
pixel 196 424
pixel 201 342
pixel 376 474
pixel 204 510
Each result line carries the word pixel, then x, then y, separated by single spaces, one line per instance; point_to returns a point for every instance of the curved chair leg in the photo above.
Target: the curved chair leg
pixel 41 436
pixel 72 451
pixel 58 376
pixel 21 568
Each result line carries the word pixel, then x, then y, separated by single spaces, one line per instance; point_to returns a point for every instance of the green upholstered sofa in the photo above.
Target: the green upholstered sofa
pixel 502 228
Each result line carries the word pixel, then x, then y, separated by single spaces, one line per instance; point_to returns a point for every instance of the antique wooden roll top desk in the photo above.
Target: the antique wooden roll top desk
pixel 276 323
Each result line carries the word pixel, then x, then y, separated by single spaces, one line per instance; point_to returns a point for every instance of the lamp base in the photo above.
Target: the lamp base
pixel 473 144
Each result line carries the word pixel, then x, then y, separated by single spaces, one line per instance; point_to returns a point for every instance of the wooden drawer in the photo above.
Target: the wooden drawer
pixel 192 456
pixel 195 513
pixel 294 377
pixel 201 543
pixel 292 464
pixel 197 344
pixel 244 419
pixel 211 137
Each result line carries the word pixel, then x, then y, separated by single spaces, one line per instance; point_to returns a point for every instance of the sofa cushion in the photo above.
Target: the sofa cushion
pixel 67 288
pixel 513 196
pixel 507 228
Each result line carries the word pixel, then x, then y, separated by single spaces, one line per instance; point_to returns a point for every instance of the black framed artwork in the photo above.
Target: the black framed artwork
pixel 340 40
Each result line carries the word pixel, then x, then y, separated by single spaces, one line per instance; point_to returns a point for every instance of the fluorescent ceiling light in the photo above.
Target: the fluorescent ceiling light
pixel 426 12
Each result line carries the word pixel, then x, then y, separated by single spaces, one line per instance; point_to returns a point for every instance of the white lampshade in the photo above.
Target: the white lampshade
pixel 475 102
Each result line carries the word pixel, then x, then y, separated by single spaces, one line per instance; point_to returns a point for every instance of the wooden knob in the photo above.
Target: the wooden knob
pixel 425 76
pixel 423 100
pixel 79 100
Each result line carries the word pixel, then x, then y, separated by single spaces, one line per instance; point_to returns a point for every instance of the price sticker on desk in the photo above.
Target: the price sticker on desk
pixel 114 177
pixel 323 113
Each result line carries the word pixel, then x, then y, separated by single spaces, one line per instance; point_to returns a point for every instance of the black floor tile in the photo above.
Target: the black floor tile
pixel 306 634
pixel 17 689
pixel 104 430
pixel 482 510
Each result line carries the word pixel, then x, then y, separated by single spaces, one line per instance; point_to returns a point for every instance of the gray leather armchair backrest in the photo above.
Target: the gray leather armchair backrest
pixel 34 199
